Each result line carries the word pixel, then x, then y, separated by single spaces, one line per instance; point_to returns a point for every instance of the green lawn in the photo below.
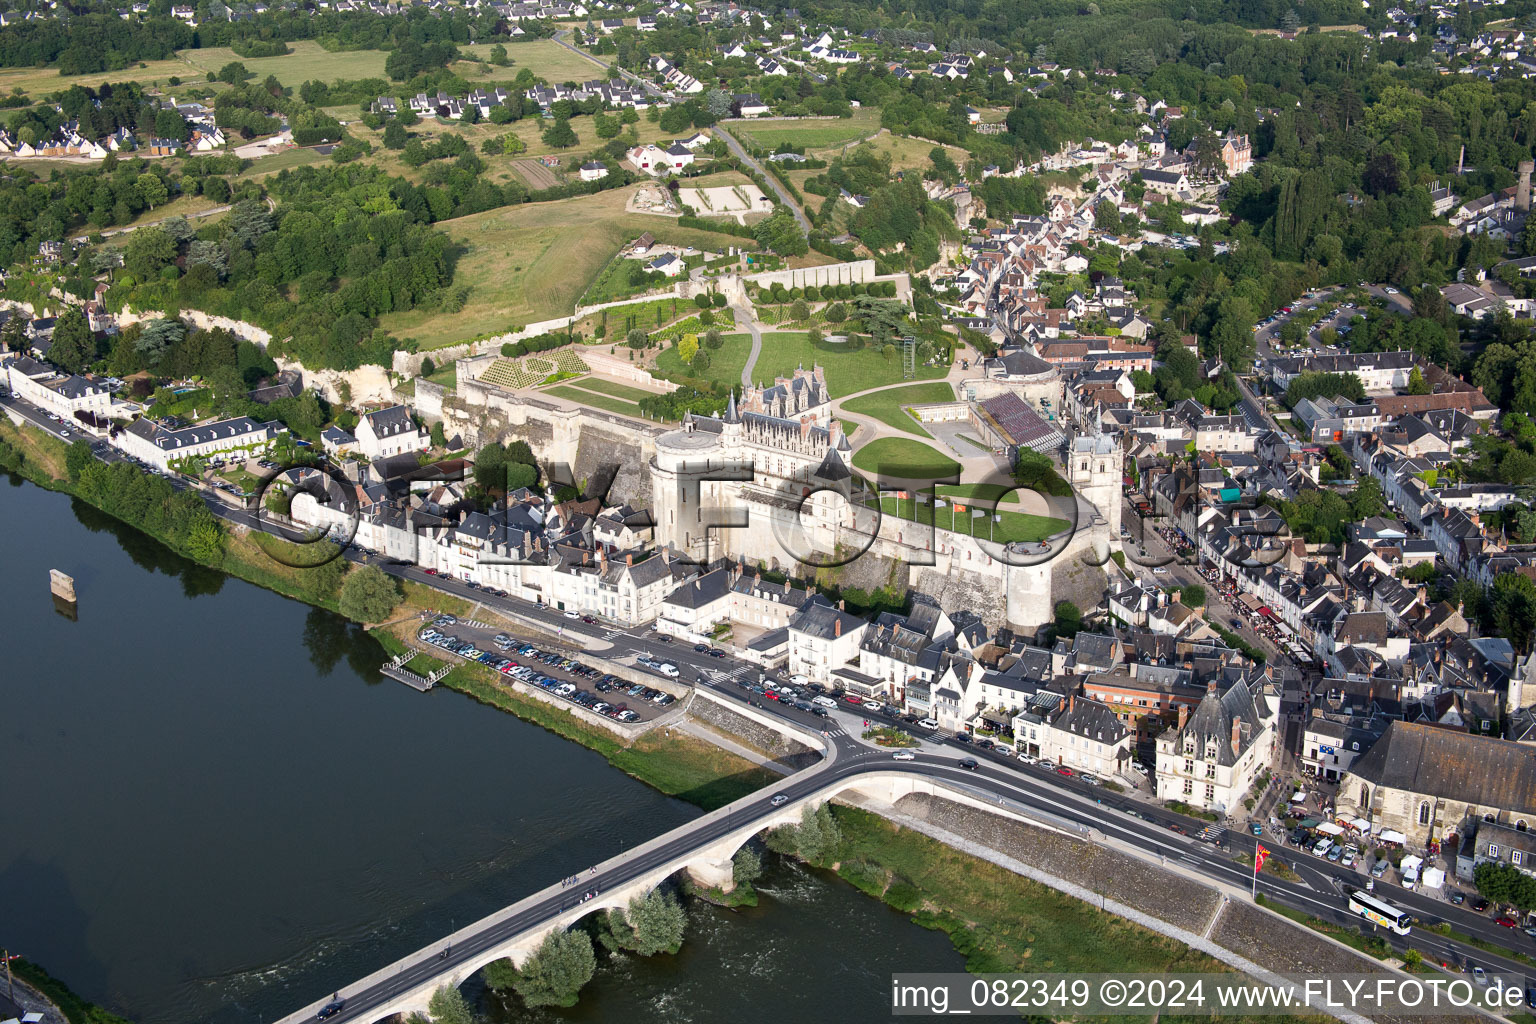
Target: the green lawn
pixel 889 407
pixel 993 492
pixel 725 362
pixel 1013 525
pixel 613 388
pixel 847 371
pixel 812 134
pixel 594 399
pixel 900 457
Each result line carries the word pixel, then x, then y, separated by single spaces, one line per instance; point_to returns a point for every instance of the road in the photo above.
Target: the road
pixel 1319 892
pixel 773 183
pixel 745 321
pixel 212 211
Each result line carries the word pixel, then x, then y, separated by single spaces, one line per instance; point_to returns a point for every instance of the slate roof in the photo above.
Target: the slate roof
pixel 1453 765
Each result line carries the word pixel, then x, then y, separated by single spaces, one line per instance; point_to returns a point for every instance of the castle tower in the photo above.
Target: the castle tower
pixel 1523 190
pixel 1095 469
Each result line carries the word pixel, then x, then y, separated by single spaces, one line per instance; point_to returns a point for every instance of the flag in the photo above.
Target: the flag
pixel 959 507
pixel 977 513
pixel 1258 858
pixel 903 495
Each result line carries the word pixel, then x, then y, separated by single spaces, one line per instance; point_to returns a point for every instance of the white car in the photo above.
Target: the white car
pixel 903 755
pixel 928 723
pixel 1390 291
pixel 1159 571
pixel 572 615
pixel 826 702
pixel 872 705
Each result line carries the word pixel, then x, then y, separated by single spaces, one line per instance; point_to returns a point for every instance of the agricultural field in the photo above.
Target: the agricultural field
pixel 288 158
pixel 531 371
pixel 529 263
pixel 812 134
pixel 847 371
pixel 889 406
pixel 544 57
pixel 309 60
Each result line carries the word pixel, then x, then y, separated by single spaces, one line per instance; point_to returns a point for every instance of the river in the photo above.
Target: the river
pixel 217 810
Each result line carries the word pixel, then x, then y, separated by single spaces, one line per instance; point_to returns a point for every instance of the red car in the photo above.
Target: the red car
pixel 851 699
pixel 771 695
pixel 1064 771
pixel 1507 922
pixel 430 572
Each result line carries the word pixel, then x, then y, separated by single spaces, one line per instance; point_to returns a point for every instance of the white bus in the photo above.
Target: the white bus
pixel 1379 912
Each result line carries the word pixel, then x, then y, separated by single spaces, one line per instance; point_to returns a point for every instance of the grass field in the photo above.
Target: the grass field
pixel 1013 525
pixel 544 57
pixel 39 82
pixel 725 363
pixel 812 134
pixel 530 263
pixel 847 371
pixel 889 407
pixel 309 60
pixel 907 152
pixel 901 457
pixel 288 158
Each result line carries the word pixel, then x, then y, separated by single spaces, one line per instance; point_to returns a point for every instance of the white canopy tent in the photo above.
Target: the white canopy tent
pixel 1433 878
pixel 1390 836
pixel 1328 828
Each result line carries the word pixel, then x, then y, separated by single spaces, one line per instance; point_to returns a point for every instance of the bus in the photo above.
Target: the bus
pixel 1379 912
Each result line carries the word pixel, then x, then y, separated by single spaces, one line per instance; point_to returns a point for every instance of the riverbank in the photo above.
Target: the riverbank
pixel 55 1000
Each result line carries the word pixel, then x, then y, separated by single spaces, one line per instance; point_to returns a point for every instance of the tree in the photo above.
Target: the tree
pixel 1505 883
pixel 799 310
pixel 780 233
pixel 560 135
pixel 76 458
pixel 654 923
pixel 836 313
pixel 233 73
pixel 1193 594
pixel 369 594
pixel 147 251
pixel 428 367
pixel 746 866
pixel 447 1006
pixel 687 347
pixel 499 56
pixel 557 970
pixel 74 346
pixel 439 437
pixel 1367 500
pixel 1417 385
pixel 151 189
pixel 395 135
pixel 1069 618
pixel 499 975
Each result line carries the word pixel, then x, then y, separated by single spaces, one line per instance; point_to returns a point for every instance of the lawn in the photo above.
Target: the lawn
pixel 812 134
pixel 904 458
pixel 614 388
pixel 597 401
pixel 889 407
pixel 1011 527
pixel 544 57
pixel 725 362
pixel 529 263
pixel 283 161
pixel 847 371
pixel 308 61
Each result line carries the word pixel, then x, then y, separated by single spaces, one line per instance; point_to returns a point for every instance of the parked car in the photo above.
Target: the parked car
pixel 1379 868
pixel 1479 904
pixel 928 723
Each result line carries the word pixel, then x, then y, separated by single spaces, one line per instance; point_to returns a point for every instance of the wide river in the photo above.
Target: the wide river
pixel 216 810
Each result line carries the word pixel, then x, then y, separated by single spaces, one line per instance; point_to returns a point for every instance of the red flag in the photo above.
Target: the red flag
pixel 1258 858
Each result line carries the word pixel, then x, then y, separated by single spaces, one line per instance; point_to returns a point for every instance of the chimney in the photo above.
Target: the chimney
pixel 837 627
pixel 1071 701
pixel 586 558
pixel 629 559
pixel 1183 716
pixel 1210 687
pixel 1523 190
pixel 1237 735
pixel 840 604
